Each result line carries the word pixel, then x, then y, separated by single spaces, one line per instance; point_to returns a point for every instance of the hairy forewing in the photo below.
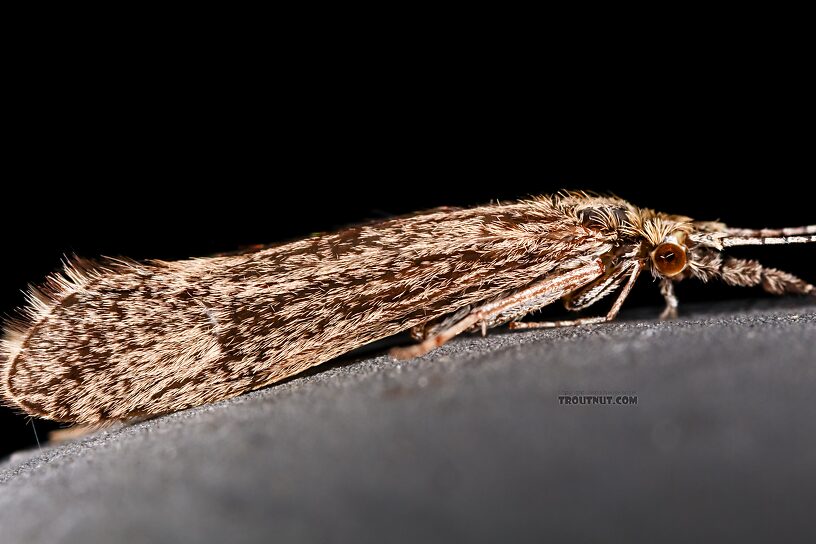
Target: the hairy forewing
pixel 123 339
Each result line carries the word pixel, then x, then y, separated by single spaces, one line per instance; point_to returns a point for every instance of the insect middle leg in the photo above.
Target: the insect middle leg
pixel 613 312
pixel 509 307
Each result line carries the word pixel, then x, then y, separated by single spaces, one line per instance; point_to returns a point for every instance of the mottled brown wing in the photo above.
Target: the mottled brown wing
pixel 127 339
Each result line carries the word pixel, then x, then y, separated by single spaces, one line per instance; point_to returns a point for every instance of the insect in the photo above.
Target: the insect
pixel 118 340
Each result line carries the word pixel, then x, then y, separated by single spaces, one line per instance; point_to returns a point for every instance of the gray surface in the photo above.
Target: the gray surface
pixel 469 444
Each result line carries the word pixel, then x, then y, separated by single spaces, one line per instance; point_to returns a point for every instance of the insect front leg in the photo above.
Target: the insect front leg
pixel 742 273
pixel 613 312
pixel 507 308
pixel 667 290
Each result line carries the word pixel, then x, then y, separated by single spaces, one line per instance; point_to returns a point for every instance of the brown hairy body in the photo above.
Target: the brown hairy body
pixel 119 340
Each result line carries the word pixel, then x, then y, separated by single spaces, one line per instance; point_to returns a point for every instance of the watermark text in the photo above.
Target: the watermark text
pixel 596 398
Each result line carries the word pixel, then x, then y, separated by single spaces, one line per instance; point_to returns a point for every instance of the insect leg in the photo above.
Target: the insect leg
pixel 613 312
pixel 430 328
pixel 744 273
pixel 667 290
pixel 594 291
pixel 516 325
pixel 77 431
pixel 507 308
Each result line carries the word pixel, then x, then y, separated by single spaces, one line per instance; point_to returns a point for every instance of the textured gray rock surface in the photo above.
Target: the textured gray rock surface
pixel 469 444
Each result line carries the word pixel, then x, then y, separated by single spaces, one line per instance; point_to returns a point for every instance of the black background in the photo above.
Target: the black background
pixel 178 161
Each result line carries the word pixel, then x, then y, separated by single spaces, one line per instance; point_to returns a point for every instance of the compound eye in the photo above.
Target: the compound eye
pixel 669 258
